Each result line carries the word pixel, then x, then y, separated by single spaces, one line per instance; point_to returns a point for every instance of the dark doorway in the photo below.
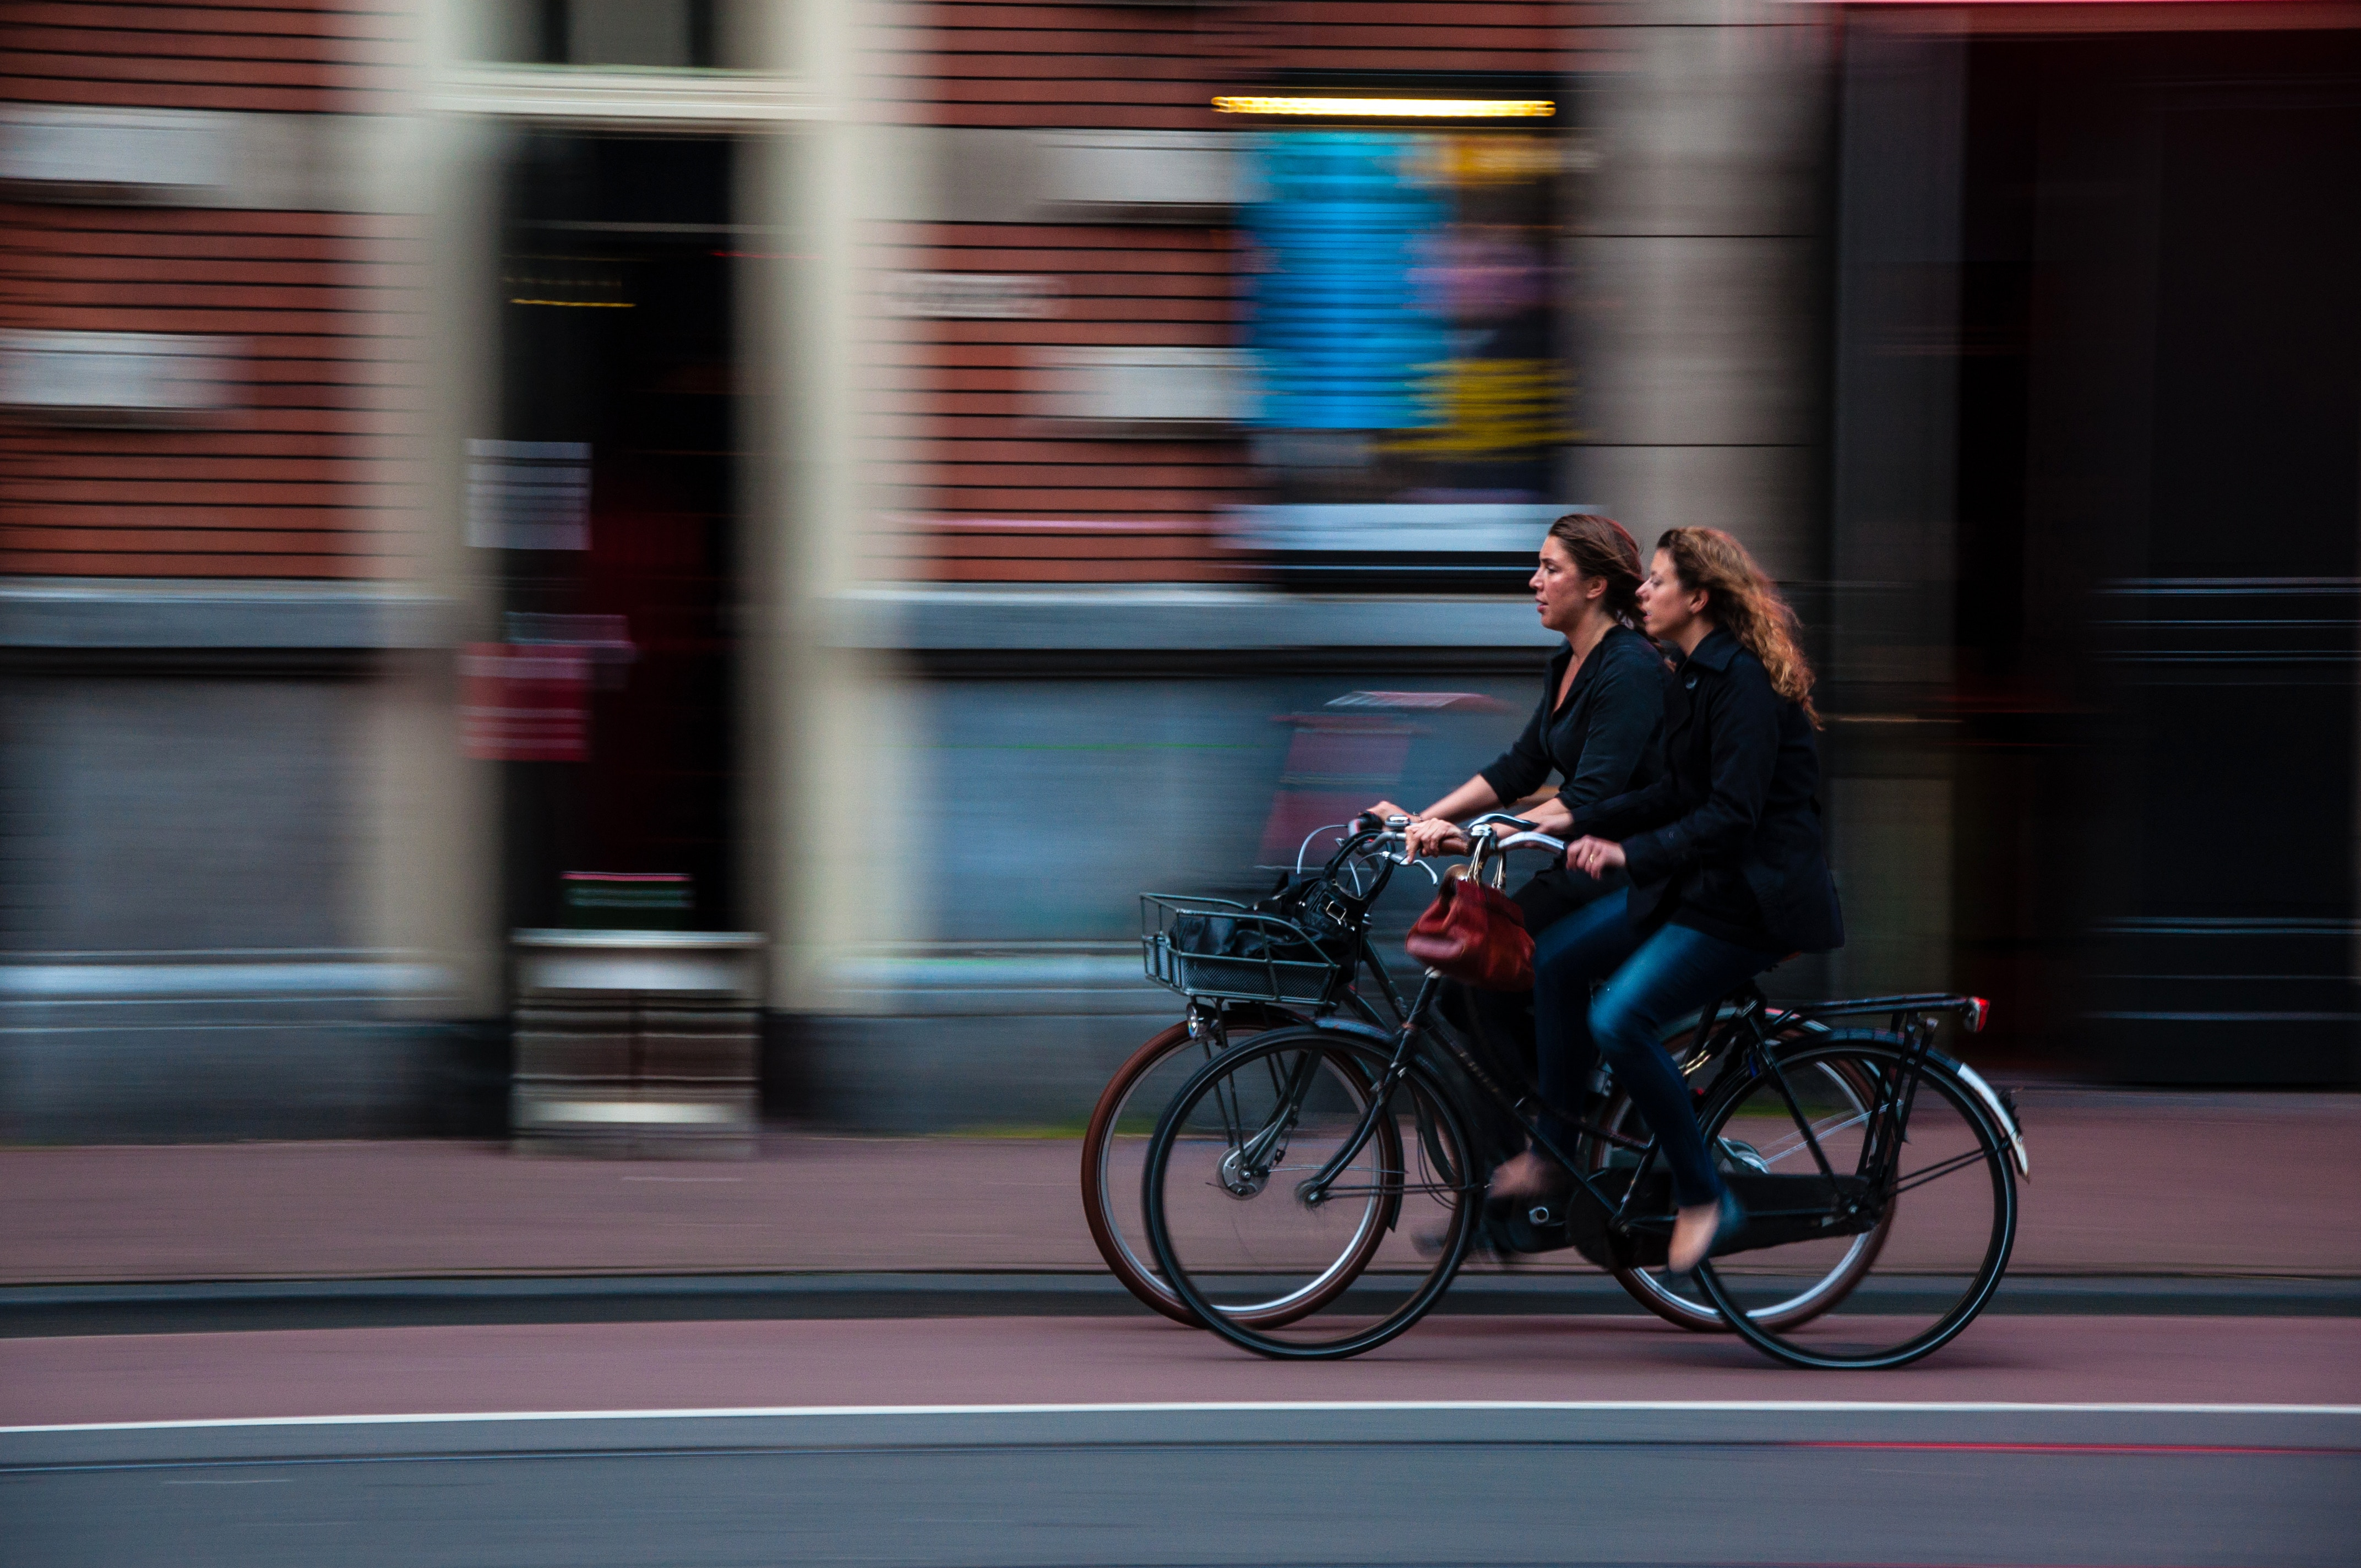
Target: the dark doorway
pixel 617 371
pixel 2159 513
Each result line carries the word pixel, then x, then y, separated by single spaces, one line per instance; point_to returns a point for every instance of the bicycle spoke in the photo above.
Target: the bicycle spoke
pixel 1920 1177
pixel 1823 1131
pixel 1233 1124
pixel 1389 1188
pixel 1803 1123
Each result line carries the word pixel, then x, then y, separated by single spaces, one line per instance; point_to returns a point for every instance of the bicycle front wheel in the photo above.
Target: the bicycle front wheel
pixel 1279 1187
pixel 1852 1139
pixel 1114 1153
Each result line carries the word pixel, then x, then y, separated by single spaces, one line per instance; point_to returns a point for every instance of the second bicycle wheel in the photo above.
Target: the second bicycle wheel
pixel 1114 1153
pixel 1238 1220
pixel 1848 1142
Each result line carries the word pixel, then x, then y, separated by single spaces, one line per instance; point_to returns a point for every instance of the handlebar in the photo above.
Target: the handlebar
pixel 1486 837
pixel 1484 833
pixel 1487 827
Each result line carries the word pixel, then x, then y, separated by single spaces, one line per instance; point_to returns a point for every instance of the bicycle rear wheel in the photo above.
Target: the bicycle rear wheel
pixel 1234 1227
pixel 1919 1171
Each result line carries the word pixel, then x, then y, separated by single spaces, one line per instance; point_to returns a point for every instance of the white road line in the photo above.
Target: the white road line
pixel 1943 1406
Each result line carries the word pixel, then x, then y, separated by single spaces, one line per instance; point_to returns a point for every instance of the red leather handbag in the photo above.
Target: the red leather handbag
pixel 1475 935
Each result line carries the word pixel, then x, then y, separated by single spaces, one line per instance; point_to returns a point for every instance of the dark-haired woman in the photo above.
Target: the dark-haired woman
pixel 1721 857
pixel 1597 725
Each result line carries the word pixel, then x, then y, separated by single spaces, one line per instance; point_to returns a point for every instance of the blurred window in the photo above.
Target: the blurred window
pixel 643 33
pixel 1404 321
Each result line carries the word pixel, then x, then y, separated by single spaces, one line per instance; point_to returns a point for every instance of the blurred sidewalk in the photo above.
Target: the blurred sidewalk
pixel 2123 1183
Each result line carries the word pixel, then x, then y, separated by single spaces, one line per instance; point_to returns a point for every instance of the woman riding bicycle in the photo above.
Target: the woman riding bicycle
pixel 1598 725
pixel 1721 859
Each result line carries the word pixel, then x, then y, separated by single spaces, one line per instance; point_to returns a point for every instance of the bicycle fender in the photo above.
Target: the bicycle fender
pixel 2003 1117
pixel 1381 1038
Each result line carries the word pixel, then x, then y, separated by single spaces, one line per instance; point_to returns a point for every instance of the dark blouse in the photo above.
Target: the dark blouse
pixel 1605 739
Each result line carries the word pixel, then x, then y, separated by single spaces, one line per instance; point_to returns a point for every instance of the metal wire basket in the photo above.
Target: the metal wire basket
pixel 1218 947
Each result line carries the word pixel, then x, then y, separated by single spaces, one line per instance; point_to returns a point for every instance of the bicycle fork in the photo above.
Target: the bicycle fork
pixel 1314 1190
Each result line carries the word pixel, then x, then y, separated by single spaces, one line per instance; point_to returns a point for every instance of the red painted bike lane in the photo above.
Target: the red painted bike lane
pixel 1022 1361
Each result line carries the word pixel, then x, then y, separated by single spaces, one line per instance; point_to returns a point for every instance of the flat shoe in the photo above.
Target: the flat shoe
pixel 1527 1178
pixel 1729 1220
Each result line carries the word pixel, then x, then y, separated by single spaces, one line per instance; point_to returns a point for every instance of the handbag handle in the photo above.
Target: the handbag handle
pixel 1487 843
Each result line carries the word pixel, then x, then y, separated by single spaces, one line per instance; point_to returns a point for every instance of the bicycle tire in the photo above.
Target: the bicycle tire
pixel 1957 1119
pixel 1442 1141
pixel 1099 1198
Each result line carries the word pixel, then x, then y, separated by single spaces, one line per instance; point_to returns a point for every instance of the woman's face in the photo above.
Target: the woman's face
pixel 1668 606
pixel 1561 592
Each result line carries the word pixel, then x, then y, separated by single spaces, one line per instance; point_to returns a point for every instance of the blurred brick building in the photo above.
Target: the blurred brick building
pixel 218 303
pixel 872 486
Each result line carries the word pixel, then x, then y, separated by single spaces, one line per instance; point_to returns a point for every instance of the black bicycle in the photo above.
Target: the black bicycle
pixel 1337 1161
pixel 1299 955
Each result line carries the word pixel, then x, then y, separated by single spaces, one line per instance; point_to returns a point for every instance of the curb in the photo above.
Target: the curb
pixel 29 1311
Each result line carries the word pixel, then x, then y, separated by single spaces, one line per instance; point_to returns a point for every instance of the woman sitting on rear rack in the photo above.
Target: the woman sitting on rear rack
pixel 1721 860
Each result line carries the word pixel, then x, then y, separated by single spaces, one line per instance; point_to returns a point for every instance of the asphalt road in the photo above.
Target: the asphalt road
pixel 1946 1483
pixel 1036 1442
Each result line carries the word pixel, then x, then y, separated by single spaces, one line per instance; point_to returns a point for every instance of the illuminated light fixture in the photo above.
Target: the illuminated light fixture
pixel 1392 108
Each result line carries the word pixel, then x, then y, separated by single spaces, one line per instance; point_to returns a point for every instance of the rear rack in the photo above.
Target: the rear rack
pixel 1973 1010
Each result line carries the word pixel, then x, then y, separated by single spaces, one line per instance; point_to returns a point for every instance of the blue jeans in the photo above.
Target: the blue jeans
pixel 1651 977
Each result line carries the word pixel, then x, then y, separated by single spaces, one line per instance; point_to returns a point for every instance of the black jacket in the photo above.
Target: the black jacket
pixel 1728 840
pixel 1605 739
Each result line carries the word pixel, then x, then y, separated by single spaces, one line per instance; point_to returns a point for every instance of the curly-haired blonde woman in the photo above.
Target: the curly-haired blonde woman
pixel 1722 855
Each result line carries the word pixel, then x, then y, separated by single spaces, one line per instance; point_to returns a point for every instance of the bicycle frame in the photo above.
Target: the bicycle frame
pixel 1740 1030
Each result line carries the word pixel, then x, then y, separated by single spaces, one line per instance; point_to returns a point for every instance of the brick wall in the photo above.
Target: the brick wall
pixel 977 63
pixel 287 56
pixel 1008 493
pixel 980 62
pixel 1004 494
pixel 284 481
pixel 1395 34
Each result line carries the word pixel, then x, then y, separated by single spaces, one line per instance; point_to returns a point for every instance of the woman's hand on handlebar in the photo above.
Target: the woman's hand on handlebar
pixel 1593 857
pixel 1424 835
pixel 1434 836
pixel 1552 816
